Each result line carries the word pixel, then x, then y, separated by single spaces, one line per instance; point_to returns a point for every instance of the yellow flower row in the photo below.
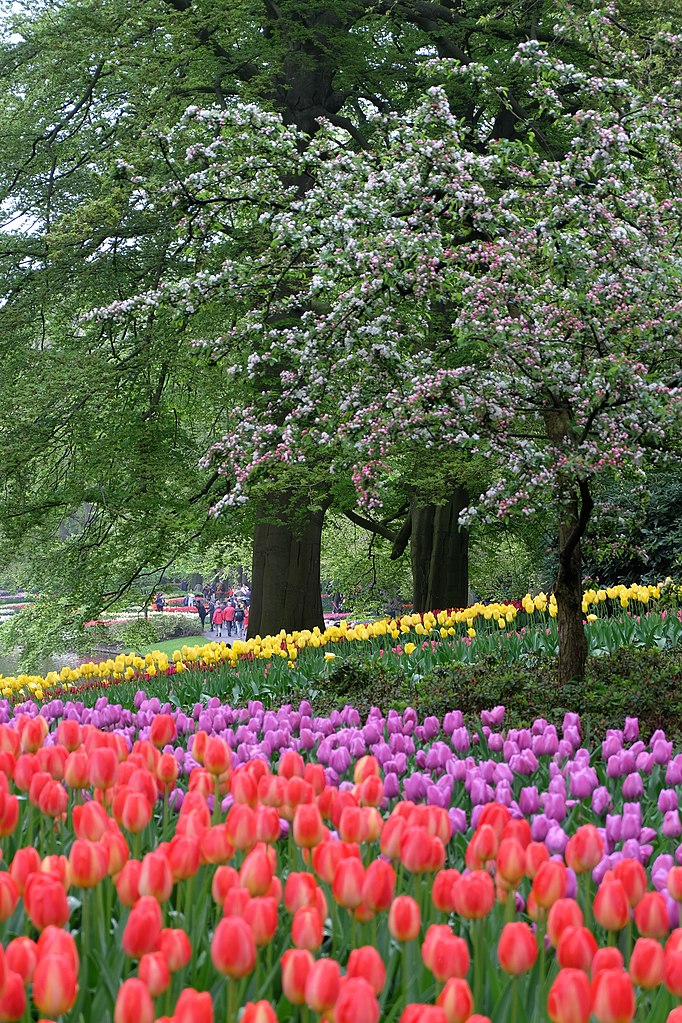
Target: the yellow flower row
pixel 125 667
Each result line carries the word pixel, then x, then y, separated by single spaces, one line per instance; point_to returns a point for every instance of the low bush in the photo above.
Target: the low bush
pixel 642 683
pixel 140 632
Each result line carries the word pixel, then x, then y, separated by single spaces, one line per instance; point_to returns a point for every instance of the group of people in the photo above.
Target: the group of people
pixel 227 613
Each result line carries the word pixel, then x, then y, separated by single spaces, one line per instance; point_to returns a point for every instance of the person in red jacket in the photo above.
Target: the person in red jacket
pixel 218 619
pixel 228 617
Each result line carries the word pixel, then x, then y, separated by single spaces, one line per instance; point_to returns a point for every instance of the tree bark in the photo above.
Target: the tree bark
pixel 568 591
pixel 439 554
pixel 285 578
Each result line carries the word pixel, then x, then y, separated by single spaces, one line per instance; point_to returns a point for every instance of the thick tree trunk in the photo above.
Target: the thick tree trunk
pixel 568 591
pixel 439 554
pixel 285 578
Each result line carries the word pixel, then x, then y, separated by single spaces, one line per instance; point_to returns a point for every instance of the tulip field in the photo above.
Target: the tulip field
pixel 266 666
pixel 243 864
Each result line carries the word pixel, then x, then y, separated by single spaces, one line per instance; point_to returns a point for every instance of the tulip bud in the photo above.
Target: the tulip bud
pixel 576 948
pixel 607 959
pixel 611 906
pixel 322 985
pixel 537 853
pixel 348 882
pixel 256 872
pixel 128 883
pixel 404 918
pixel 193 1007
pixel 21 956
pixel 647 963
pixel 672 972
pixel 456 1000
pixel 632 876
pixel 163 730
pixel 260 913
pixel 613 997
pixel 12 997
pixel 473 895
pixel 378 886
pixel 356 1002
pixel 174 945
pixel 570 998
pixel 585 849
pixel 133 1003
pixel 156 877
pixel 233 950
pixel 366 962
pixel 651 915
pixel 309 829
pixel 9 895
pixel 306 928
pixel 564 913
pixel 296 965
pixel 258 1012
pixel 549 884
pixel 45 901
pixel 143 928
pixel 517 948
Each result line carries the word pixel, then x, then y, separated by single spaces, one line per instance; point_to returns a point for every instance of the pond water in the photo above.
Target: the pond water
pixel 9 662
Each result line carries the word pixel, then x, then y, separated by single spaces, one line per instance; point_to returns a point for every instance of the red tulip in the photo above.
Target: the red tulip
pixel 163 730
pixel 517 948
pixel 564 913
pixel 309 829
pixel 69 734
pixel 445 954
pixel 549 883
pixel 352 825
pixel 632 876
pixel 576 949
pixel 55 941
pixel 142 931
pixel 128 883
pixel 218 757
pixel 300 890
pixel 174 945
pixel 25 862
pixel 570 998
pixel 291 765
pixel 21 956
pixel 233 950
pixel 76 770
pixel 611 906
pixel 102 768
pixel 613 997
pixel 12 998
pixel 55 984
pixel 156 877
pixel 296 965
pixel 473 895
pixel 348 882
pixel 378 886
pixel 45 901
pixel 441 892
pixel 193 1007
pixel 241 826
pixel 417 1013
pixel 366 962
pixel 322 985
pixel 306 928
pixel 646 963
pixel 511 861
pixel 133 1003
pixel 585 849
pixel 215 845
pixel 258 1012
pixel 672 972
pixel 537 853
pixel 88 863
pixel 154 973
pixel 9 895
pixel 404 918
pixel 356 1002
pixel 651 915
pixel 260 913
pixel 607 959
pixel 256 872
pixel 456 1000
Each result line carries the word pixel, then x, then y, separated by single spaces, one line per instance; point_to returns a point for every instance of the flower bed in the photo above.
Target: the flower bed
pixel 615 617
pixel 163 862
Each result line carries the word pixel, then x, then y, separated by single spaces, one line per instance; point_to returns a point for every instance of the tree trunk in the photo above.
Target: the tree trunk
pixel 568 591
pixel 285 578
pixel 440 554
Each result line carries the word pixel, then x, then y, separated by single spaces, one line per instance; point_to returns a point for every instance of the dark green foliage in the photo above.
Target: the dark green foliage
pixel 640 683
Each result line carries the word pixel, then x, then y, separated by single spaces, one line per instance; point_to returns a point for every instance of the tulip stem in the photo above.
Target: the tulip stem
pixel 515 1000
pixel 477 934
pixel 587 899
pixel 230 1018
pixel 403 952
pixel 216 801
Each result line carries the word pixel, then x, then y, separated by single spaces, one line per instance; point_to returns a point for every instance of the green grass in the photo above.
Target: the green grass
pixel 168 646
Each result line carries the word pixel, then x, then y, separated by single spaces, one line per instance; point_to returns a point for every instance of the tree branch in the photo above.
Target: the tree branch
pixel 370 525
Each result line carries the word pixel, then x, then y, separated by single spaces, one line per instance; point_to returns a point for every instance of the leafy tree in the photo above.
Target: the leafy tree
pixel 558 362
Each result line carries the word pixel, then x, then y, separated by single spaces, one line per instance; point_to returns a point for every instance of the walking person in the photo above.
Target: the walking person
pixel 218 619
pixel 228 617
pixel 238 620
pixel 201 611
pixel 211 609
